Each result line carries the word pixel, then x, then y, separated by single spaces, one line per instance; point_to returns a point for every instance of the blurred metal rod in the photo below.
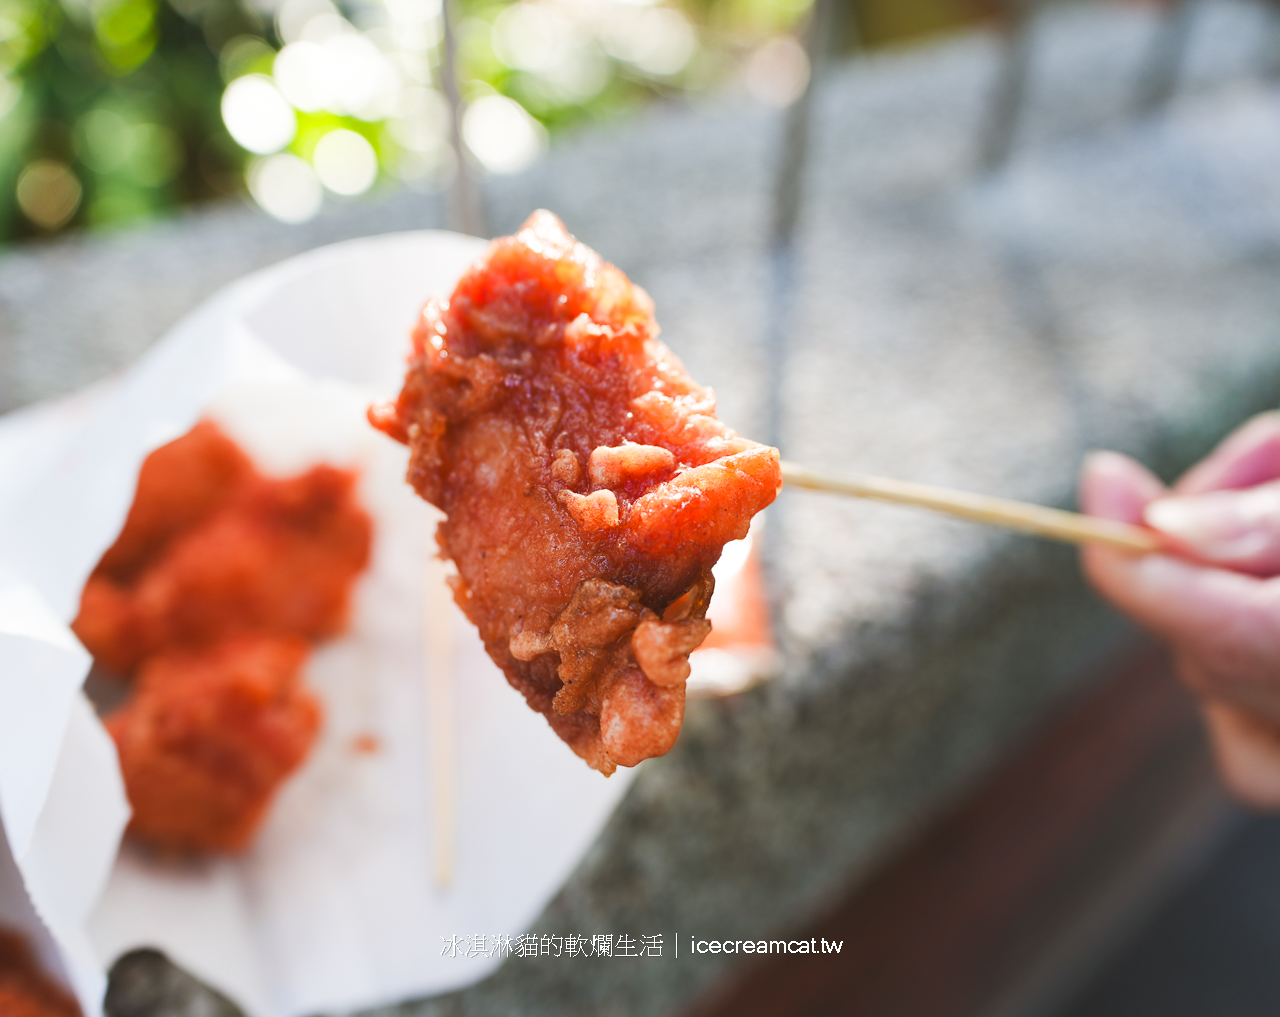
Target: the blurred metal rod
pixel 1270 42
pixel 1015 24
pixel 1159 78
pixel 787 198
pixel 463 203
pixel 781 257
pixel 789 185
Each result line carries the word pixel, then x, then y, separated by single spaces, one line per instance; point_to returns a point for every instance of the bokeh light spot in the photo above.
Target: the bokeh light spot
pixel 345 162
pixel 103 140
pixel 579 75
pixel 657 40
pixel 413 12
pixel 157 155
pixel 285 187
pixel 48 193
pixel 126 33
pixel 10 93
pixel 302 72
pixel 122 23
pixel 364 83
pixel 244 54
pixel 257 115
pixel 777 72
pixel 432 168
pixel 530 37
pixel 421 120
pixel 501 134
pixel 293 16
pixel 324 27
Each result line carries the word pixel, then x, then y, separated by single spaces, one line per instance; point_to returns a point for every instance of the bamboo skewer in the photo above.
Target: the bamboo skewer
pixel 438 651
pixel 1015 515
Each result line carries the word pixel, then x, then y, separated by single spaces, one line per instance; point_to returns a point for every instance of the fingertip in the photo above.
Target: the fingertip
pixel 1250 455
pixel 1238 529
pixel 1114 486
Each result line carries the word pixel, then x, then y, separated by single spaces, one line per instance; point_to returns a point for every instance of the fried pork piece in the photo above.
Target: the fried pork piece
pixel 109 625
pixel 587 484
pixel 280 557
pixel 179 485
pixel 207 738
pixel 25 990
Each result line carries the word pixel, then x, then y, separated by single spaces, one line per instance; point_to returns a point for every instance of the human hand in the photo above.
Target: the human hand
pixel 1216 596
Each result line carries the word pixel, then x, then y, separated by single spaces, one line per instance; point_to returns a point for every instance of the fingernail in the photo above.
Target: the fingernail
pixel 1222 526
pixel 1101 459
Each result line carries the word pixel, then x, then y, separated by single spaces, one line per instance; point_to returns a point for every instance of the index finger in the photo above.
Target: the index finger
pixel 1249 456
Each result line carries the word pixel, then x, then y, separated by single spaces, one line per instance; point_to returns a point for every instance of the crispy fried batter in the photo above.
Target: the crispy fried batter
pixel 211 594
pixel 25 990
pixel 280 557
pixel 110 625
pixel 179 485
pixel 587 484
pixel 207 738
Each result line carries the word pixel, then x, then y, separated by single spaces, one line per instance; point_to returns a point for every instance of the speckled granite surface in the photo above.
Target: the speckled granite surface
pixel 1113 286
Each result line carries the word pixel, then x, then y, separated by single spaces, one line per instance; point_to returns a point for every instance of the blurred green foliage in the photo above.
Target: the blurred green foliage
pixel 123 97
pixel 111 111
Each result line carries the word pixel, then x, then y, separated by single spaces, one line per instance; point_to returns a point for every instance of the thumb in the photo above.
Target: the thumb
pixel 1113 486
pixel 1239 530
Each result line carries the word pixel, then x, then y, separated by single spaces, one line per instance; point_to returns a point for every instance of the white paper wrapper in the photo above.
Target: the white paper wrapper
pixel 336 906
